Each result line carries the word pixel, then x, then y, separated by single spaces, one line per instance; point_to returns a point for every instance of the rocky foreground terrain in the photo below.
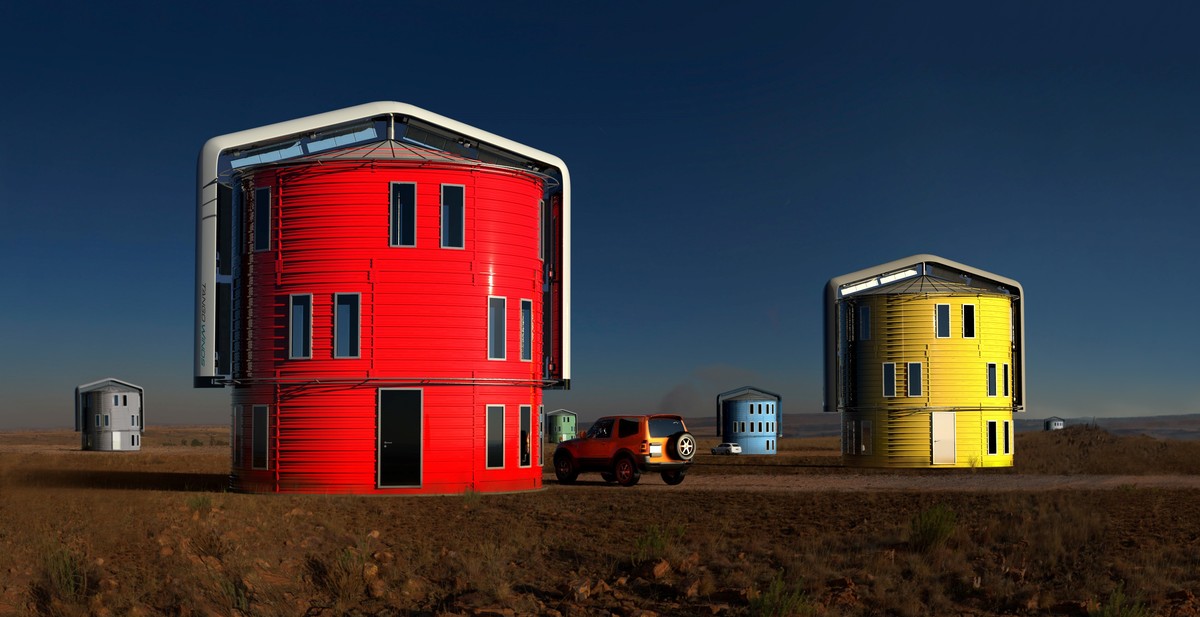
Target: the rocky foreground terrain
pixel 1087 523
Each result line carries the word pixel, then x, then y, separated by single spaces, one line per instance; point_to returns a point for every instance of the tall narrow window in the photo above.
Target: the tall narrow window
pixel 889 379
pixel 991 437
pixel 527 330
pixel 97 420
pixel 942 320
pixel 914 379
pixel 496 310
pixel 106 418
pixel 124 400
pixel 262 219
pixel 991 379
pixel 526 435
pixel 236 437
pixel 495 436
pixel 258 437
pixel 453 216
pixel 864 322
pixel 1007 444
pixel 541 435
pixel 300 326
pixel 541 229
pixel 968 321
pixel 404 214
pixel 116 400
pixel 345 325
pixel 1005 380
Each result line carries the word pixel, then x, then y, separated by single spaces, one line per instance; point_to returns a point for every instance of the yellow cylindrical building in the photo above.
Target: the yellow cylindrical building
pixel 924 359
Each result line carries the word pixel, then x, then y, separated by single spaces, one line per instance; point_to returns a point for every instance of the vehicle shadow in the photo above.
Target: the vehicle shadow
pixel 122 480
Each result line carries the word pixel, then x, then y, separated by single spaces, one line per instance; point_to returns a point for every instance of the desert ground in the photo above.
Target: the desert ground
pixel 1087 522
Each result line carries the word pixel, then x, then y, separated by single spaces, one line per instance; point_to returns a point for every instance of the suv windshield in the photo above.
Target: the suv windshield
pixel 665 427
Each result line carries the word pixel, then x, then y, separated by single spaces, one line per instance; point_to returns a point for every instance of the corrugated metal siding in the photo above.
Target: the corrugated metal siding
pixel 423 317
pixel 953 372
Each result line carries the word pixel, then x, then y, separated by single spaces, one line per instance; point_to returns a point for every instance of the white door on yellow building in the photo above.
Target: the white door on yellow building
pixel 943 437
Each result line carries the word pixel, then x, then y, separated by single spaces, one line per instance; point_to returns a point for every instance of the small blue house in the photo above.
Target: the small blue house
pixel 750 417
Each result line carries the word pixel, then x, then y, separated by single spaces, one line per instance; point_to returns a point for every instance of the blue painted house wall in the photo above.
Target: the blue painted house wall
pixel 750 417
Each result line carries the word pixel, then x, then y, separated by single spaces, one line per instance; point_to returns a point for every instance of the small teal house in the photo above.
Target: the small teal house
pixel 560 425
pixel 751 418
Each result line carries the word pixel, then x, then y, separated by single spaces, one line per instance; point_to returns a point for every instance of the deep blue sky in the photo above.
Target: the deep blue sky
pixel 728 159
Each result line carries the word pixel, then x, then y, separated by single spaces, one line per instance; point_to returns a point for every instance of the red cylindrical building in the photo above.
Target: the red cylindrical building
pixel 387 322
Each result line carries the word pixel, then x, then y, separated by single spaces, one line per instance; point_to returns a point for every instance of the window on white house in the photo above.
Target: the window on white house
pixel 404 214
pixel 453 216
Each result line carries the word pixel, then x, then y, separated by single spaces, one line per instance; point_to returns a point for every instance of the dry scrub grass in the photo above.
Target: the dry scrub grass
pixel 177 545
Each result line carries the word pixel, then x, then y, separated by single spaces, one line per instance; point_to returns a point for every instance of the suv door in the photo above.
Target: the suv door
pixel 597 442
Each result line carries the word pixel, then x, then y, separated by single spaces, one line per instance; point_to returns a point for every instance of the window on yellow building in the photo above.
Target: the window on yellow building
pixel 941 320
pixel 914 379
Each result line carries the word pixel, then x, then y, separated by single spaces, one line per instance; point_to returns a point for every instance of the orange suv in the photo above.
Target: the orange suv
pixel 621 448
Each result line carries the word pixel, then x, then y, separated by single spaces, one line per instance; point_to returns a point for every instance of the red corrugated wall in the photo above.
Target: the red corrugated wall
pixel 423 324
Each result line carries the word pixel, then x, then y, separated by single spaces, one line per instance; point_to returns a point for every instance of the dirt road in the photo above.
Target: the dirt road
pixel 842 482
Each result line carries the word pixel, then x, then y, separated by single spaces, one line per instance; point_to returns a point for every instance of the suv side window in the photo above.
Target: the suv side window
pixel 627 427
pixel 602 429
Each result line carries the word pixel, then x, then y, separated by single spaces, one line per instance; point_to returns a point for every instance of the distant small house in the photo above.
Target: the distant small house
pixel 109 415
pixel 560 425
pixel 750 417
pixel 1054 423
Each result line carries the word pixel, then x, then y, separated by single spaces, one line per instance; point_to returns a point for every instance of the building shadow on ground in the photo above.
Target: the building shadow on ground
pixel 122 480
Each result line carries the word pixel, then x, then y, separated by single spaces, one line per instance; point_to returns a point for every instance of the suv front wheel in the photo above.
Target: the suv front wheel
pixel 564 468
pixel 625 471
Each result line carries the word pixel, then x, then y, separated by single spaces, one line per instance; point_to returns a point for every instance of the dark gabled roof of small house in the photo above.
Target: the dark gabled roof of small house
pixel 748 393
pixel 108 384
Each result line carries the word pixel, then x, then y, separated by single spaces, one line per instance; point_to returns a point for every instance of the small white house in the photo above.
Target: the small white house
pixel 109 415
pixel 1054 423
pixel 561 425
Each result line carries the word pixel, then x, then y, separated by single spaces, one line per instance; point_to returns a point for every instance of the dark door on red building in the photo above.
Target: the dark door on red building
pixel 399 438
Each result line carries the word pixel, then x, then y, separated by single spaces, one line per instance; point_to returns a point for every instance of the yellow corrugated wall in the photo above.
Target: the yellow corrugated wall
pixel 953 378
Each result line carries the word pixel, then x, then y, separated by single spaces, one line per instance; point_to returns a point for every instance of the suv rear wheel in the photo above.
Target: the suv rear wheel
pixel 682 446
pixel 564 468
pixel 626 471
